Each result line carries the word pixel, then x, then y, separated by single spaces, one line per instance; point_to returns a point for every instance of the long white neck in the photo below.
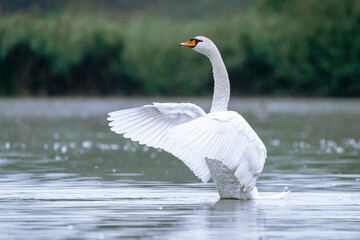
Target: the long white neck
pixel 221 82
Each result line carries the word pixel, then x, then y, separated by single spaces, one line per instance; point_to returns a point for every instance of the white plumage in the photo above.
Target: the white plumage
pixel 151 125
pixel 219 145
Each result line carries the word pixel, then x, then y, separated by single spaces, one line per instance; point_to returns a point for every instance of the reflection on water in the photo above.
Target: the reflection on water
pixel 64 175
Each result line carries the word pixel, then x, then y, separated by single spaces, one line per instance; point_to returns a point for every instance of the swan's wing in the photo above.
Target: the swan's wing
pixel 150 124
pixel 227 137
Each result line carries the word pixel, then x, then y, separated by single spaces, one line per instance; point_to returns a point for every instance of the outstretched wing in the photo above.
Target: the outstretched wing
pixel 150 125
pixel 227 137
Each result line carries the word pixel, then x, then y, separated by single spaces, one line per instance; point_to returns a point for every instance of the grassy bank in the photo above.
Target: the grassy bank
pixel 305 48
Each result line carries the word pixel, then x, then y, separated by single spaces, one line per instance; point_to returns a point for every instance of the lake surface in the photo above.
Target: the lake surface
pixel 64 175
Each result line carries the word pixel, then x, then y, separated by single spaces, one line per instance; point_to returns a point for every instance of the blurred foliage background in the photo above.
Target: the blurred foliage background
pixel 118 47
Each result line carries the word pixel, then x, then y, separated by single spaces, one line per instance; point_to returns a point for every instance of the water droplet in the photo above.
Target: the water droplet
pixel 331 143
pixel 103 146
pixel 351 141
pixel 64 149
pixel 339 150
pixel 7 145
pixel 275 142
pixel 126 147
pixel 114 147
pixel 56 146
pixel 87 144
pixel 145 148
pixel 114 170
pixel 160 208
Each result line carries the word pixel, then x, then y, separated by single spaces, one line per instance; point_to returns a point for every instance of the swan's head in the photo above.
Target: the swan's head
pixel 200 44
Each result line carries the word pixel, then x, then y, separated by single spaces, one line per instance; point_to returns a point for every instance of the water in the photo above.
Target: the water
pixel 64 175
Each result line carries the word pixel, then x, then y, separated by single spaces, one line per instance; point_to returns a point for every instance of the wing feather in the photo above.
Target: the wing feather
pixel 150 125
pixel 227 137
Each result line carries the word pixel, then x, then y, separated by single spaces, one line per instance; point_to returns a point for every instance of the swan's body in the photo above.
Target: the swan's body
pixel 219 145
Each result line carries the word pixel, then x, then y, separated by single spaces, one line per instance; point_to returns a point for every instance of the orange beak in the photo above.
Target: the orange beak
pixel 190 43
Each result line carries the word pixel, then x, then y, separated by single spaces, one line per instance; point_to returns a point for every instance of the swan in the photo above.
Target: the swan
pixel 220 145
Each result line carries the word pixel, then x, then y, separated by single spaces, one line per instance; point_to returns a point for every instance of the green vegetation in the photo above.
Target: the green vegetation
pixel 304 47
pixel 61 55
pixel 298 47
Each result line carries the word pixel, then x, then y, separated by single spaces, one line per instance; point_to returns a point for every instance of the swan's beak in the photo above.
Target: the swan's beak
pixel 190 43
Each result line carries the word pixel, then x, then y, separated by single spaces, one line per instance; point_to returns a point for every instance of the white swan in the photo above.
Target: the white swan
pixel 220 145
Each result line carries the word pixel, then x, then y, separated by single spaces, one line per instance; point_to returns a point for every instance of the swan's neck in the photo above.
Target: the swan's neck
pixel 221 82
